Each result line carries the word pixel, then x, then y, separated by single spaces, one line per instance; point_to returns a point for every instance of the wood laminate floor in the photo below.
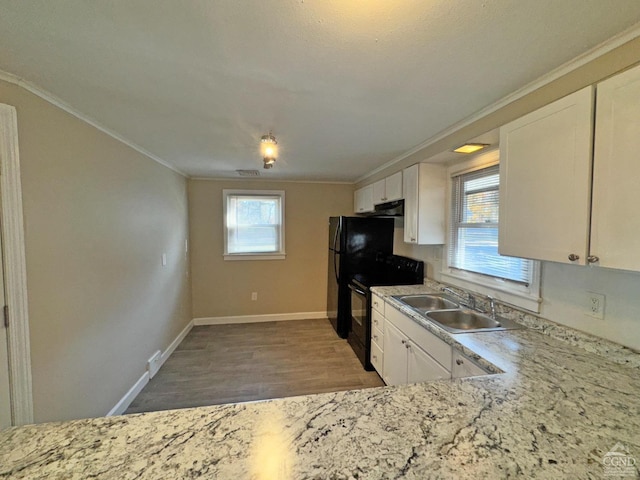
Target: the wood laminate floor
pixel 254 361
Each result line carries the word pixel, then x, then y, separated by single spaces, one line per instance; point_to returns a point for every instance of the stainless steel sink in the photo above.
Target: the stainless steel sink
pixel 467 321
pixel 427 302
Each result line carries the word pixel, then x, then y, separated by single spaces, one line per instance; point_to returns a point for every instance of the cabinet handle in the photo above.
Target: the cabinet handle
pixel 593 259
pixel 573 257
pixel 459 361
pixel 375 337
pixel 404 342
pixel 375 322
pixel 413 239
pixel 375 357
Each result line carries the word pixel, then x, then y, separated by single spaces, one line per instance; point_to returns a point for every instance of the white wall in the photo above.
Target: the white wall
pixel 564 290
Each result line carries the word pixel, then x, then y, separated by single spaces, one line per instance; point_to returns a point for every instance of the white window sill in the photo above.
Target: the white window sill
pixel 516 295
pixel 254 256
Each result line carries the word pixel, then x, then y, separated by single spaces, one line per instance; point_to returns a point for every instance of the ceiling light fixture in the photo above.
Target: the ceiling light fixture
pixel 269 150
pixel 470 147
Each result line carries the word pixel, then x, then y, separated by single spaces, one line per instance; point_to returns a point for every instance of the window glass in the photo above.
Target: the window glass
pixel 254 222
pixel 473 245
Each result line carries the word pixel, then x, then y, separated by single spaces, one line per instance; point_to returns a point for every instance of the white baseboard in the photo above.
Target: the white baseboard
pixel 273 317
pixel 167 353
pixel 133 392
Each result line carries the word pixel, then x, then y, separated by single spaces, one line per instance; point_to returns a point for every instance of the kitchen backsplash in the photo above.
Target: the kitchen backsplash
pixel 591 343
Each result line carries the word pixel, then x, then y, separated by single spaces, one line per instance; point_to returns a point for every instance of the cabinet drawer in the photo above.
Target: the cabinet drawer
pixel 376 358
pixel 438 349
pixel 377 303
pixel 377 337
pixel 377 320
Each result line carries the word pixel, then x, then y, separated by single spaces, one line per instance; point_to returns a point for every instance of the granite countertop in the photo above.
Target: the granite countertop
pixel 555 412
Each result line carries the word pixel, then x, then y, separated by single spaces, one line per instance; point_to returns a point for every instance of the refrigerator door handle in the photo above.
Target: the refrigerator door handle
pixel 335 234
pixel 335 266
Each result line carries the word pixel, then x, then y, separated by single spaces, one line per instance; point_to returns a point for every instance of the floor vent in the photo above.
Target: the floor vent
pixel 248 173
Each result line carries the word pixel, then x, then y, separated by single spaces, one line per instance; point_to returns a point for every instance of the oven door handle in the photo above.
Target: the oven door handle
pixel 357 290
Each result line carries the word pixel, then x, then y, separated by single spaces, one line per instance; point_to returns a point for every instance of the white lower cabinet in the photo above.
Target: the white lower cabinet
pixel 394 370
pixel 421 367
pixel 377 332
pixel 408 352
pixel 463 367
pixel 376 357
pixel 404 352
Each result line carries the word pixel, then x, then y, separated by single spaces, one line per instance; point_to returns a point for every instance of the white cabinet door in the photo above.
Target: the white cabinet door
pixel 363 199
pixel 357 200
pixel 410 189
pixel 545 181
pixel 424 187
pixel 388 189
pixel 421 367
pixel 395 356
pixel 379 192
pixel 393 187
pixel 615 229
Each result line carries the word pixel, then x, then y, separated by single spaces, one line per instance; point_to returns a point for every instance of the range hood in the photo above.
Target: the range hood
pixel 389 209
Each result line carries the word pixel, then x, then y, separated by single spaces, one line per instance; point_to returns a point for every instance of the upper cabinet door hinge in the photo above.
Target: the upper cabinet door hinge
pixel 6 316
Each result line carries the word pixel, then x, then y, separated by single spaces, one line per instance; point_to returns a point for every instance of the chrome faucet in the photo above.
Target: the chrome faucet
pixel 469 300
pixel 492 307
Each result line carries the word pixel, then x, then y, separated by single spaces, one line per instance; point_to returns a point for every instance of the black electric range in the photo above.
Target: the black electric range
pixel 392 270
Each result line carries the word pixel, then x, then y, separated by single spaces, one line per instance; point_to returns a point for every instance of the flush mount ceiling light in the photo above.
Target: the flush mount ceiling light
pixel 269 150
pixel 470 147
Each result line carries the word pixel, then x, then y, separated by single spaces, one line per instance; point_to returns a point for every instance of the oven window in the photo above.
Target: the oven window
pixel 358 308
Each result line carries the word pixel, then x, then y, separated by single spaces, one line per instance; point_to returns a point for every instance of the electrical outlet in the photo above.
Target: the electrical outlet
pixel 595 305
pixel 154 363
pixel 254 296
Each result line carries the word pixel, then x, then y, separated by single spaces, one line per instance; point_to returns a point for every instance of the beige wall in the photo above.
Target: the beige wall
pixel 98 216
pixel 296 284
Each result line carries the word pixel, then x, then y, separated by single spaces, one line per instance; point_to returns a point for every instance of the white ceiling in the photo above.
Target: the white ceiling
pixel 345 85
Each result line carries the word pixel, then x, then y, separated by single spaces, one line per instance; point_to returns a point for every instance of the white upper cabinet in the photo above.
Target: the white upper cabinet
pixel 615 228
pixel 545 181
pixel 547 195
pixel 363 199
pixel 424 187
pixel 388 189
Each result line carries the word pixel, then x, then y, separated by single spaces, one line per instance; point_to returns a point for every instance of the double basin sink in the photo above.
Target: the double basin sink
pixel 447 314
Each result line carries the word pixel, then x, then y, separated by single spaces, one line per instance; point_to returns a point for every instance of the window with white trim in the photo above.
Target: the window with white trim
pixel 253 224
pixel 472 254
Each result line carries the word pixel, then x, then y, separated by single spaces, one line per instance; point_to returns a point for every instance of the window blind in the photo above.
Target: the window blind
pixel 473 245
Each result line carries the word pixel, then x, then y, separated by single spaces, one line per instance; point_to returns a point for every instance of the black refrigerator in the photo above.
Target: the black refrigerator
pixel 354 245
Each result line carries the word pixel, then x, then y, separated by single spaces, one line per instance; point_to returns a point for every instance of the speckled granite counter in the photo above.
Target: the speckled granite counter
pixel 555 413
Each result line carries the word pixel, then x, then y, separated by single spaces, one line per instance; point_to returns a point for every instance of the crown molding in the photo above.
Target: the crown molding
pixel 582 59
pixel 52 99
pixel 272 180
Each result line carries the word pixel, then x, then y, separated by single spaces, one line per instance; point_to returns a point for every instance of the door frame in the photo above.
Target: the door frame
pixel 15 269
